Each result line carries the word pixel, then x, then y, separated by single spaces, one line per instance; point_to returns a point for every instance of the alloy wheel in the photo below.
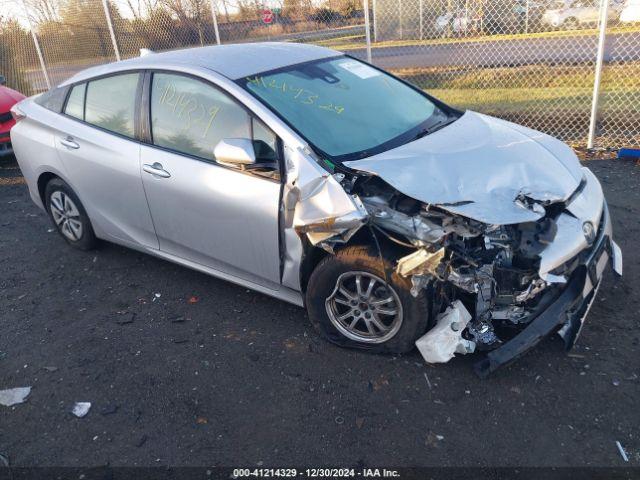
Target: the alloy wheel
pixel 365 308
pixel 66 215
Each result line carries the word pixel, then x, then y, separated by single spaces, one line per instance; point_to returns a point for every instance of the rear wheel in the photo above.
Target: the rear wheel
pixel 68 215
pixel 355 300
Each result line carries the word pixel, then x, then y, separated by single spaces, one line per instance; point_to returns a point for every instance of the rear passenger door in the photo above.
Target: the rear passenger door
pixel 102 157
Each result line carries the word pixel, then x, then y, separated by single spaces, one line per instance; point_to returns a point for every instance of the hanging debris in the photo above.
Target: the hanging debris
pixel 442 342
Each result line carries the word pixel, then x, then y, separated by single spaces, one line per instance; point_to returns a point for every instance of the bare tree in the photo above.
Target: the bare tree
pixel 43 11
pixel 141 8
pixel 190 12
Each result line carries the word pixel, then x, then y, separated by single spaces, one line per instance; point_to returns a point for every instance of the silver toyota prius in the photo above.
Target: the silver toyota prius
pixel 319 179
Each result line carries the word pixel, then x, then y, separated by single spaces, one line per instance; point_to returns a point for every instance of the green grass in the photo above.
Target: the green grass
pixel 531 87
pixel 514 99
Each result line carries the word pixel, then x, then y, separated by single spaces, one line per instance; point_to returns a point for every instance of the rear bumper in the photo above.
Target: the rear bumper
pixel 565 313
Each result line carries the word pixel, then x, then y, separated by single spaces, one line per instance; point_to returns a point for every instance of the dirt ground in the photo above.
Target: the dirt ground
pixel 185 369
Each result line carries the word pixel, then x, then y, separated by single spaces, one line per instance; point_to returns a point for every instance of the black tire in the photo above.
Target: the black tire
pixel 87 239
pixel 323 281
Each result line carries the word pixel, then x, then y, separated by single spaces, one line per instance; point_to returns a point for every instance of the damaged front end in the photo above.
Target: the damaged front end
pixel 514 284
pixel 498 288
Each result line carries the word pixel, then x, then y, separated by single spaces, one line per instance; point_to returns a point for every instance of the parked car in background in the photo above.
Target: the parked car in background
pixel 630 12
pixel 443 22
pixel 572 14
pixel 291 169
pixel 8 98
pixel 458 22
pixel 528 13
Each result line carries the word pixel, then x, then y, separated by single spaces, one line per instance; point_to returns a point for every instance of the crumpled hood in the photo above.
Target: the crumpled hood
pixel 478 167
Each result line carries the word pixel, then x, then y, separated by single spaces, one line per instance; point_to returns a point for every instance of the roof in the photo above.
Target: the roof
pixel 233 61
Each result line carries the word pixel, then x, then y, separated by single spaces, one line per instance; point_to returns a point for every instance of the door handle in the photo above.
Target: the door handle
pixel 156 169
pixel 69 142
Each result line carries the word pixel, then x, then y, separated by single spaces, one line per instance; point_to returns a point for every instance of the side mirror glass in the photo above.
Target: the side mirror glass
pixel 235 152
pixel 3 81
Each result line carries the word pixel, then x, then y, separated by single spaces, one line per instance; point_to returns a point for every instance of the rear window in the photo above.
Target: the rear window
pixel 111 101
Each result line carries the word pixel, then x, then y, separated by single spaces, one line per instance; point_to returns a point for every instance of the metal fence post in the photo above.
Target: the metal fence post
pixel 214 16
pixel 107 14
pixel 37 45
pixel 421 8
pixel 400 17
pixel 367 28
pixel 375 22
pixel 604 7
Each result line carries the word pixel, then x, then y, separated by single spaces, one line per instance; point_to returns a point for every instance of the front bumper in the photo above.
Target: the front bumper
pixel 566 311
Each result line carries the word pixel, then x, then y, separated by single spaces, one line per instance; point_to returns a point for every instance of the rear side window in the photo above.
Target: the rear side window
pixel 190 116
pixel 75 102
pixel 111 103
pixel 53 99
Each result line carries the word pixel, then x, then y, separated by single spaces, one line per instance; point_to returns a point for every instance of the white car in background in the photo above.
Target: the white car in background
pixel 572 14
pixel 631 12
pixel 459 21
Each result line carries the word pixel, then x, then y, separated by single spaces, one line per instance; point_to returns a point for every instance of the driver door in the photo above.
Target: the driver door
pixel 215 215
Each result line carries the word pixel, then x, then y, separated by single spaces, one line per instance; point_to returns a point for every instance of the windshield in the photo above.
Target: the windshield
pixel 345 108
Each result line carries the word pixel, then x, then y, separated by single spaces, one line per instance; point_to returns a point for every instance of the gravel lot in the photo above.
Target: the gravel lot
pixel 208 373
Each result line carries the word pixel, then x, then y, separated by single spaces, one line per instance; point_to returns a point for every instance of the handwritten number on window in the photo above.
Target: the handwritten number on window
pixel 301 95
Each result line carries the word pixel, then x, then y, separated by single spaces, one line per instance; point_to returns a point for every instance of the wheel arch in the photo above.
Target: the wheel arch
pixel 313 255
pixel 43 179
pixel 47 176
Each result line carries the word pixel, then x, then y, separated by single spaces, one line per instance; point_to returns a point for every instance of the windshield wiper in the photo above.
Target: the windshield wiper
pixel 434 128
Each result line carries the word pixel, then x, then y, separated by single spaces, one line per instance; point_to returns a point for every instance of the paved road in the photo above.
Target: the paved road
pixel 619 47
pixel 241 379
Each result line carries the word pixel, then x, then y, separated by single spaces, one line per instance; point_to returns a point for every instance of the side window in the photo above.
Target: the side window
pixel 190 116
pixel 75 102
pixel 111 103
pixel 53 99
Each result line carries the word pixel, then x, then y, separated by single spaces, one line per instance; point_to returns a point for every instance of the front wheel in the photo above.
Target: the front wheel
pixel 356 299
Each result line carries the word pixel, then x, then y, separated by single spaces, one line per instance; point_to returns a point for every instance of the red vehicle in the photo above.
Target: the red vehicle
pixel 8 98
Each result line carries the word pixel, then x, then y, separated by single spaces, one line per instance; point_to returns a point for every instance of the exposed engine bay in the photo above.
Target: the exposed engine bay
pixel 491 269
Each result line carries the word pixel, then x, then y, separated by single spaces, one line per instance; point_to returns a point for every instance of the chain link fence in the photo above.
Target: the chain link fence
pixel 534 62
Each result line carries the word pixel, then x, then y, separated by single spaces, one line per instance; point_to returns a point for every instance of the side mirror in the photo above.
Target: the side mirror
pixel 3 81
pixel 235 152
